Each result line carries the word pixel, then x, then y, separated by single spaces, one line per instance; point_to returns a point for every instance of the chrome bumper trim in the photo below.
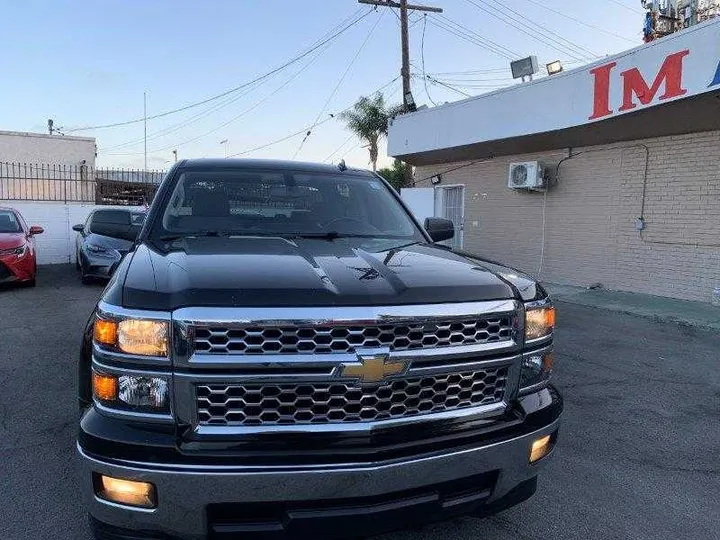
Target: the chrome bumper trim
pixel 184 494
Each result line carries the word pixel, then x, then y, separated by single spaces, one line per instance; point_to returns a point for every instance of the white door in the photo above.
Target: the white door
pixel 450 204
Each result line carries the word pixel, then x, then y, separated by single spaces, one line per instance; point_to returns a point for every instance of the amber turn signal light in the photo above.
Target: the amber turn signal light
pixel 105 331
pixel 540 448
pixel 105 387
pixel 127 492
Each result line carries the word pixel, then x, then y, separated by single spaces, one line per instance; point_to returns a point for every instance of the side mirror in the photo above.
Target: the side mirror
pixel 35 229
pixel 79 227
pixel 439 229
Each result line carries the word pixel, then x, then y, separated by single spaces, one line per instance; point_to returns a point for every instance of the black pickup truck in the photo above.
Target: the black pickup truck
pixel 286 352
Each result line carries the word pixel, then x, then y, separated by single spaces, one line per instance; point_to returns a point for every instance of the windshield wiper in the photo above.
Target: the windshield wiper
pixel 198 234
pixel 330 235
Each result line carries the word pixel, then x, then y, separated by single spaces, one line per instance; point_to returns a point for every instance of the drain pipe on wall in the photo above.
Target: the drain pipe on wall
pixel 570 155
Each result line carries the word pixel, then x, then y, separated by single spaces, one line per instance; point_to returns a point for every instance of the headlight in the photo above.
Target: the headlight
pixel 539 322
pixel 21 251
pixel 133 336
pixel 536 369
pixel 138 393
pixel 95 248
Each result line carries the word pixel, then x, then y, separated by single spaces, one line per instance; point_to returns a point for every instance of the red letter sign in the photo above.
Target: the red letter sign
pixel 670 73
pixel 602 90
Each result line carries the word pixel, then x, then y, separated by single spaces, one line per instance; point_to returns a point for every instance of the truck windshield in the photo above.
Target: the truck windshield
pixel 281 203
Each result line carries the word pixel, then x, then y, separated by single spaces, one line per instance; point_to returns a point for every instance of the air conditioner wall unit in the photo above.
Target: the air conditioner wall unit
pixel 528 175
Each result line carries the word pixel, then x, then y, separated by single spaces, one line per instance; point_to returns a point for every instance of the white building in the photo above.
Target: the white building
pixel 629 153
pixel 40 148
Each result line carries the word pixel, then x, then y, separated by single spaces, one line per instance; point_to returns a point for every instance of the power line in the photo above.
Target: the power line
pixel 244 112
pixel 435 81
pixel 529 31
pixel 287 137
pixel 469 38
pixel 493 71
pixel 337 86
pixel 422 54
pixel 352 135
pixel 553 36
pixel 490 86
pixel 178 126
pixel 471 80
pixel 580 21
pixel 233 90
pixel 560 39
pixel 617 2
pixel 480 37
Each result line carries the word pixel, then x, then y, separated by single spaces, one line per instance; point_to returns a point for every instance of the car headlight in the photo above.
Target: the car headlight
pixel 536 369
pixel 539 322
pixel 143 337
pixel 137 393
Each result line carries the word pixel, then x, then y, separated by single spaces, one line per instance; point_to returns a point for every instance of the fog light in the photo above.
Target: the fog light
pixel 127 492
pixel 540 448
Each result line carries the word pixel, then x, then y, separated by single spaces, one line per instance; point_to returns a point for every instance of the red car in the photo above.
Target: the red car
pixel 17 248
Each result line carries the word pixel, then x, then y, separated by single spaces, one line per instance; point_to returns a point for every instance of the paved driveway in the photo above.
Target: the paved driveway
pixel 638 455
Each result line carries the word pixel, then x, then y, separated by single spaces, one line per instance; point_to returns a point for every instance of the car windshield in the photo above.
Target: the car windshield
pixel 282 203
pixel 9 222
pixel 102 219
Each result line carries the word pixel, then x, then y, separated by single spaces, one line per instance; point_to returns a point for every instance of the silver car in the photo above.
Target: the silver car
pixel 103 240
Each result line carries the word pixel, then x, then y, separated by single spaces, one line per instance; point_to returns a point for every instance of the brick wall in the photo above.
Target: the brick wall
pixel 590 214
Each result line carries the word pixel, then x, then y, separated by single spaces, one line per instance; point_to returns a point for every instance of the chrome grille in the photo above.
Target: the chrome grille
pixel 324 403
pixel 343 339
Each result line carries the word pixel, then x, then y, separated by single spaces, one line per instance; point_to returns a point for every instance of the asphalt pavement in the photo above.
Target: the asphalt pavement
pixel 638 455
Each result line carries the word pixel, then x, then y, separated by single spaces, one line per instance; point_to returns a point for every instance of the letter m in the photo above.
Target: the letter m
pixel 670 73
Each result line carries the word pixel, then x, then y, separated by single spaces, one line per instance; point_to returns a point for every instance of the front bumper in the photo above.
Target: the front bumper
pixel 332 500
pixel 14 269
pixel 99 266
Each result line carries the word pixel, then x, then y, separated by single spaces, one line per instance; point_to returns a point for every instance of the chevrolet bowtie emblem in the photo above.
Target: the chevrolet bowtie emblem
pixel 372 368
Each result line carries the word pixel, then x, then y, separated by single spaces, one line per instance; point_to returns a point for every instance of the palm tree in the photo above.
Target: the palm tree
pixel 369 119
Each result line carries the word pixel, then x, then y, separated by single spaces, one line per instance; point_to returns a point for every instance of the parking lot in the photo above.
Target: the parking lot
pixel 638 455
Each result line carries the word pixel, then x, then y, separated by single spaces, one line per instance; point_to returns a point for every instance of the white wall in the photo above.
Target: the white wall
pixel 57 244
pixel 39 148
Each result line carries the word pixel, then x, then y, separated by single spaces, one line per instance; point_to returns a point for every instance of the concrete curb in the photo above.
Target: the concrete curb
pixel 683 312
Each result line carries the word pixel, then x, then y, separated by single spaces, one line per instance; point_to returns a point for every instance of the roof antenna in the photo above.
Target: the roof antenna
pixel 342 165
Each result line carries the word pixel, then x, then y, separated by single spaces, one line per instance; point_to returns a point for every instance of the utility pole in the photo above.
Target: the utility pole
pixel 404 7
pixel 145 124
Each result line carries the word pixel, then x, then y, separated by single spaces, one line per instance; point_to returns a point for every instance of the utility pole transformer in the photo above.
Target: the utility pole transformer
pixel 404 7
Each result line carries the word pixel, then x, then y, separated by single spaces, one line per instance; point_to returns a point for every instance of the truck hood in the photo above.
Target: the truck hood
pixel 276 272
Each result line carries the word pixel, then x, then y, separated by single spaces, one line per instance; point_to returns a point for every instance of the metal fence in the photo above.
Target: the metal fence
pixel 77 183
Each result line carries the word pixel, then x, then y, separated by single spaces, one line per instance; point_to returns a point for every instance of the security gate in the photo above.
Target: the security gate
pixel 450 204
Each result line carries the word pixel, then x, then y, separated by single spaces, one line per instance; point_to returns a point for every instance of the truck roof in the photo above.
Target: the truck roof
pixel 225 163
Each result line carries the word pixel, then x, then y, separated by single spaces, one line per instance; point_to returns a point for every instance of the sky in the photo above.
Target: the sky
pixel 88 63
